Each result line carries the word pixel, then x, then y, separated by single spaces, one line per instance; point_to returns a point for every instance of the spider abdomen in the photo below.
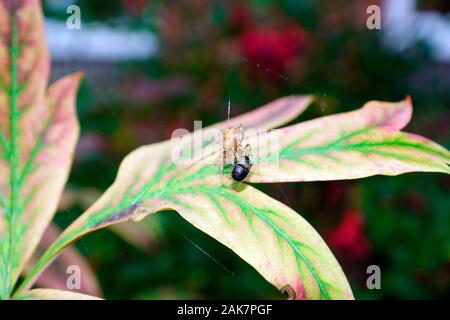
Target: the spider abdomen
pixel 239 172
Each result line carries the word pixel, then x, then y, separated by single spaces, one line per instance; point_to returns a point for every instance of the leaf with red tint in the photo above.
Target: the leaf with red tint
pixel 282 246
pixel 38 132
pixel 349 145
pixel 271 237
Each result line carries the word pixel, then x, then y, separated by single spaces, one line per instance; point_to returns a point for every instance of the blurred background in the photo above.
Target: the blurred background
pixel 154 66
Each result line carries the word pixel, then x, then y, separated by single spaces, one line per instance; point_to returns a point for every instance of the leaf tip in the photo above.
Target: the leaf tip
pixel 408 99
pixel 78 76
pixel 390 116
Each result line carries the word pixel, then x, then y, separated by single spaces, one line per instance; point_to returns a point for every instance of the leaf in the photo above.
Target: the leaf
pixel 55 276
pixel 38 132
pixel 270 115
pixel 54 294
pixel 349 145
pixel 143 235
pixel 125 212
pixel 280 244
pixel 275 240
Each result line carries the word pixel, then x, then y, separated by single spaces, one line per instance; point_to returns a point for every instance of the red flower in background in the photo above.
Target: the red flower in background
pixel 273 48
pixel 134 7
pixel 349 237
pixel 240 16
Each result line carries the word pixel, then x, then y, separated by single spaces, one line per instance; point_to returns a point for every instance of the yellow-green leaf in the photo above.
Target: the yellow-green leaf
pixel 271 237
pixel 349 145
pixel 275 240
pixel 38 132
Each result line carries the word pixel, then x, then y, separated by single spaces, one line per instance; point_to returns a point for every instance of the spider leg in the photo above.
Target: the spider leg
pixel 224 159
pixel 236 149
pixel 224 150
pixel 247 149
pixel 241 133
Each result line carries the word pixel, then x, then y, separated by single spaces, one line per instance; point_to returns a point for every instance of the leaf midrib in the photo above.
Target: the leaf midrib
pixel 363 146
pixel 220 191
pixel 13 157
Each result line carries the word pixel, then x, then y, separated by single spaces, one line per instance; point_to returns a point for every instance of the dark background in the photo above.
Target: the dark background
pixel 253 52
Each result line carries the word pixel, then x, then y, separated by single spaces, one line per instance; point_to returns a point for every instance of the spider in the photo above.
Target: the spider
pixel 233 152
